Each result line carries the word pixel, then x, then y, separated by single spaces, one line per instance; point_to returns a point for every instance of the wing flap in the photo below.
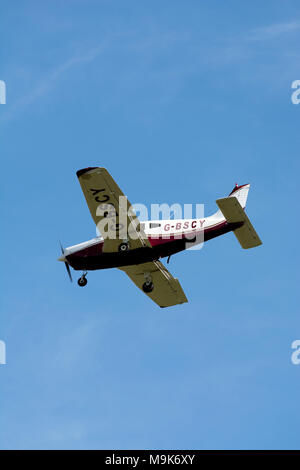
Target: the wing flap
pixel 167 290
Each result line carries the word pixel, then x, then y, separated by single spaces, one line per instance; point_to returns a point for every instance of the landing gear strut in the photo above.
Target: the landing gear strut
pixel 82 281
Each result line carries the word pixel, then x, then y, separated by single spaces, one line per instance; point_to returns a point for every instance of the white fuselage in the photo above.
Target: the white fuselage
pixel 165 229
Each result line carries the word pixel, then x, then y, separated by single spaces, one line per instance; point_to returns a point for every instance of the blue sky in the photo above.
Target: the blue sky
pixel 178 100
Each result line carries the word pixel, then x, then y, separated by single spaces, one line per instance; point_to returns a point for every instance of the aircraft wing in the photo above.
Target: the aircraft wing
pixel 166 292
pixel 111 210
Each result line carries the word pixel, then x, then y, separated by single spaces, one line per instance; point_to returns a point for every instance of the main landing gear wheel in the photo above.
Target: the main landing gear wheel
pixel 148 287
pixel 82 281
pixel 124 247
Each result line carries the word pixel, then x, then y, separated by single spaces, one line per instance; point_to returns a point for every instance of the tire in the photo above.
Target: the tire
pixel 123 247
pixel 82 281
pixel 148 287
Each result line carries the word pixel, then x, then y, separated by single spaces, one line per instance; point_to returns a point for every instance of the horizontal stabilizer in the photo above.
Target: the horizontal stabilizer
pixel 234 213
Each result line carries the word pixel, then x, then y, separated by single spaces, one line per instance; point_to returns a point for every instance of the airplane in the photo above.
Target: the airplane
pixel 136 247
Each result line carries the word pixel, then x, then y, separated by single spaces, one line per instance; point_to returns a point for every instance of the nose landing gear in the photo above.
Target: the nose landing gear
pixel 82 281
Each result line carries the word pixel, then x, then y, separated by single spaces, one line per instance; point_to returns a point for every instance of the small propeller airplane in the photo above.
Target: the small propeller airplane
pixel 135 247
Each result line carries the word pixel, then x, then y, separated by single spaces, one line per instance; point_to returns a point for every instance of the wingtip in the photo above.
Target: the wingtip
pixel 85 170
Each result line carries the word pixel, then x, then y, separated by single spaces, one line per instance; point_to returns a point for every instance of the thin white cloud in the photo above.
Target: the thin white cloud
pixel 274 30
pixel 234 51
pixel 47 83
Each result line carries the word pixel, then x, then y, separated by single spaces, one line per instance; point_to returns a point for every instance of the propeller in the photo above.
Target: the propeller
pixel 66 264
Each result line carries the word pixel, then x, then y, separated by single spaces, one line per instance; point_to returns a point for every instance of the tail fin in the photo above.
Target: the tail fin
pixel 241 193
pixel 232 209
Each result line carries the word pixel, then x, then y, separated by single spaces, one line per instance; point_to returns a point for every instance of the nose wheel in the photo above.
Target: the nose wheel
pixel 82 281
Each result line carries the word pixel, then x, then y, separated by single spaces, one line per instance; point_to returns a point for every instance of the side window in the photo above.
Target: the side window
pixel 155 225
